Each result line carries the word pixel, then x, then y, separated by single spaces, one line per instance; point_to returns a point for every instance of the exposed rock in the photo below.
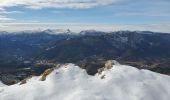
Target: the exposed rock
pixel 45 74
pixel 11 82
pixel 108 65
pixel 100 70
pixel 103 76
pixel 25 80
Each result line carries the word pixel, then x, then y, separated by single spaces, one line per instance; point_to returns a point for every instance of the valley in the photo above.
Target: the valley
pixel 25 54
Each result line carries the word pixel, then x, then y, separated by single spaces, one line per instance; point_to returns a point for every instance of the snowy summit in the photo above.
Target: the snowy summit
pixel 69 82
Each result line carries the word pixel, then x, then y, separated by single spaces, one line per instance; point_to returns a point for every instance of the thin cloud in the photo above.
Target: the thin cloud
pixel 4 11
pixel 149 14
pixel 38 4
pixel 5 19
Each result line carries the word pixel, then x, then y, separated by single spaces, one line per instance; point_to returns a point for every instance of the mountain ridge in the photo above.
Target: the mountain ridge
pixel 90 50
pixel 70 82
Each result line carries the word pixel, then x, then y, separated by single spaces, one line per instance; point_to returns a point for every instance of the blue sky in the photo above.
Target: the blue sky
pixel 106 15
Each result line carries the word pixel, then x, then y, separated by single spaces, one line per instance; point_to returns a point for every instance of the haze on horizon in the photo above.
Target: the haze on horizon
pixel 77 15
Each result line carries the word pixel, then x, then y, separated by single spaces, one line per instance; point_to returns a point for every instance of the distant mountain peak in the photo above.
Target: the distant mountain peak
pixel 57 31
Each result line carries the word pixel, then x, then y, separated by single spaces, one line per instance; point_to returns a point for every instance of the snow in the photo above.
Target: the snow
pixel 57 31
pixel 72 83
pixel 1 84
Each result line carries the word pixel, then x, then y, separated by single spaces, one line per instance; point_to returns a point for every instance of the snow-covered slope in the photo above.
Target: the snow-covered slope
pixel 72 83
pixel 1 84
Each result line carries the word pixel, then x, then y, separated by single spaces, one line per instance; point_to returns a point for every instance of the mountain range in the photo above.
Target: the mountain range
pixel 28 53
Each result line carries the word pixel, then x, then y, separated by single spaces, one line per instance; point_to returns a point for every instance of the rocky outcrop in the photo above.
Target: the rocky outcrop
pixel 108 65
pixel 48 71
pixel 24 81
pixel 45 74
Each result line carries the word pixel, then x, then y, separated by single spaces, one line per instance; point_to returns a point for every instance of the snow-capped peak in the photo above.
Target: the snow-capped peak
pixel 58 31
pixel 69 82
